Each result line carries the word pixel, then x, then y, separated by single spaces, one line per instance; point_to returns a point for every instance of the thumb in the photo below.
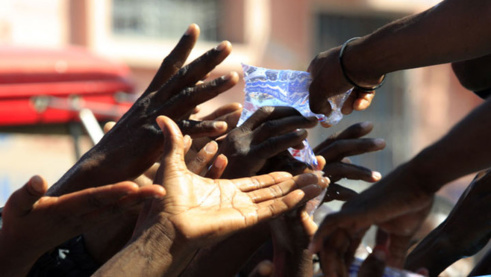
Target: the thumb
pixel 173 156
pixel 23 199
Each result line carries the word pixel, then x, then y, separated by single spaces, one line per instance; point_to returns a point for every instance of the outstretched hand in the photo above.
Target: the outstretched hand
pixel 349 142
pixel 398 204
pixel 135 142
pixel 34 223
pixel 203 210
pixel 267 133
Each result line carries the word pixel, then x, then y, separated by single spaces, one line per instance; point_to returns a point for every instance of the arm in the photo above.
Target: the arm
pixel 401 200
pixel 34 223
pixel 198 212
pixel 450 31
pixel 135 142
pixel 465 231
pixel 474 74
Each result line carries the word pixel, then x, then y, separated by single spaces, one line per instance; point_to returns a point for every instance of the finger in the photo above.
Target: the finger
pixel 287 186
pixel 397 250
pixel 325 229
pixel 282 126
pixel 343 148
pixel 268 113
pixel 108 126
pixel 261 181
pixel 144 193
pixel 231 118
pixel 223 110
pixel 218 167
pixel 338 192
pixel 89 200
pixel 354 131
pixel 339 170
pixel 363 101
pixel 332 254
pixel 173 155
pixel 187 143
pixel 321 162
pixel 318 98
pixel 22 200
pixel 348 103
pixel 277 206
pixel 192 96
pixel 196 70
pixel 198 129
pixel 203 158
pixel 276 145
pixel 176 59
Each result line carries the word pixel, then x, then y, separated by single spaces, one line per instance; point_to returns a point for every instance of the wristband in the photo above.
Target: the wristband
pixel 348 79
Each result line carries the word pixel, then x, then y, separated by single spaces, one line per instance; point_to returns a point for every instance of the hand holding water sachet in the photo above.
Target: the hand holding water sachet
pixel 268 87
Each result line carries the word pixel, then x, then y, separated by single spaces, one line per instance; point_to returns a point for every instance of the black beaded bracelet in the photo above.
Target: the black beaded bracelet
pixel 348 79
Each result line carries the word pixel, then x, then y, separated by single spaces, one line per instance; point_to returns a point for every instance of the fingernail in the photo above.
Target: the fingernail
pixel 222 45
pixel 190 28
pixel 376 175
pixel 219 163
pixel 37 184
pixel 366 124
pixel 211 147
pixel 379 142
pixel 221 125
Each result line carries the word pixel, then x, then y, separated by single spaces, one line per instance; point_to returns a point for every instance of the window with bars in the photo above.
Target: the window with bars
pixel 165 18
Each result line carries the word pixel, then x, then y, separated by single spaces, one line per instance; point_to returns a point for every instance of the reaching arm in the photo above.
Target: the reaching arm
pixel 453 30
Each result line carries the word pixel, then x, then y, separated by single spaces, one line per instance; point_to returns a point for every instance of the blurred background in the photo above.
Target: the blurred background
pixel 122 42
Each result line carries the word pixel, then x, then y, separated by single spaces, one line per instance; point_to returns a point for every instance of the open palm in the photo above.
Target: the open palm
pixel 204 210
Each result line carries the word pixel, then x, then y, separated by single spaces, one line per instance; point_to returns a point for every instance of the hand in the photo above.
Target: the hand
pixel 220 207
pixel 268 132
pixel 337 148
pixel 397 204
pixel 291 234
pixel 103 242
pixel 229 113
pixel 135 143
pixel 33 223
pixel 466 230
pixel 197 211
pixel 328 81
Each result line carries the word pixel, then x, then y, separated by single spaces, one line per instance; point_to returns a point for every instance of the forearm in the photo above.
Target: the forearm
pixel 238 249
pixel 156 252
pixel 451 31
pixel 449 158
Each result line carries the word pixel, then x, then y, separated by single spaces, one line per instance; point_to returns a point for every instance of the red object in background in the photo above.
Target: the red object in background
pixel 50 86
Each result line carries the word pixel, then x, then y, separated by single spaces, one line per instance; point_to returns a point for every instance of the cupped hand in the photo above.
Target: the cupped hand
pixel 203 210
pixel 349 142
pixel 135 142
pixel 398 204
pixel 34 223
pixel 268 132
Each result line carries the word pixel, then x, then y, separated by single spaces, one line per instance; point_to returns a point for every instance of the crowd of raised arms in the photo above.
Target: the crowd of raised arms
pixel 165 193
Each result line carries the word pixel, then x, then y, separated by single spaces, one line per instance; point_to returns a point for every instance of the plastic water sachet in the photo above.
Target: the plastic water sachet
pixel 268 87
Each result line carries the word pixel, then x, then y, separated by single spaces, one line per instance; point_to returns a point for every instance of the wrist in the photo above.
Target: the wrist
pixel 358 65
